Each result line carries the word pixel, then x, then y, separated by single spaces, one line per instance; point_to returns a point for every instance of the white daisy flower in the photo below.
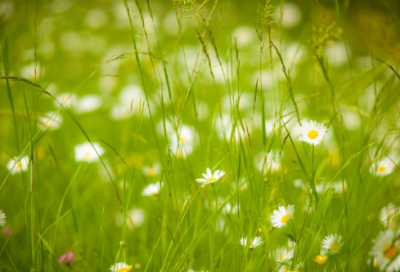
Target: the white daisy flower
pixel 22 165
pixel 120 267
pixel 281 217
pixel 386 248
pixel 152 189
pixel 153 170
pixel 312 132
pixel 332 243
pixel 383 167
pixel 51 120
pixel 211 178
pixel 387 215
pixel 230 209
pixel 2 218
pixel 271 162
pixel 255 243
pixel 87 103
pixel 282 255
pixel 67 99
pixel 183 143
pixel 85 152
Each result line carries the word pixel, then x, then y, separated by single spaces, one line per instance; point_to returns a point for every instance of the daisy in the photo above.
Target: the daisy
pixel 255 243
pixel 266 163
pixel 312 132
pixel 321 259
pixel 67 99
pixel 211 178
pixel 385 249
pixel 183 143
pixel 87 103
pixel 16 167
pixel 332 243
pixel 282 255
pixel 383 167
pixel 387 215
pixel 2 218
pixel 85 152
pixel 51 120
pixel 152 189
pixel 230 209
pixel 121 267
pixel 280 218
pixel 66 258
pixel 153 170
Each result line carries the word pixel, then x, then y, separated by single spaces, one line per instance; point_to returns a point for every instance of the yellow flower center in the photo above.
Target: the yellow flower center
pixel 312 134
pixel 285 218
pixel 320 259
pixel 251 246
pixel 152 172
pixel 210 180
pixel 381 169
pixel 282 256
pixel 182 139
pixel 125 269
pixel 375 264
pixel 334 246
pixel 86 156
pixel 19 165
pixel 389 251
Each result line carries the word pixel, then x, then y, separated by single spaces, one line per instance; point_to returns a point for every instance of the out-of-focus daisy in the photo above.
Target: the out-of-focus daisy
pixel 2 218
pixel 85 152
pixel 386 248
pixel 383 167
pixel 282 255
pixel 211 178
pixel 22 165
pixel 152 189
pixel 87 103
pixel 281 217
pixel 51 120
pixel 67 99
pixel 322 258
pixel 332 243
pixel 291 15
pixel 387 214
pixel 120 267
pixel 312 132
pixel 253 244
pixel 66 258
pixel 230 209
pixel 183 143
pixel 153 170
pixel 135 217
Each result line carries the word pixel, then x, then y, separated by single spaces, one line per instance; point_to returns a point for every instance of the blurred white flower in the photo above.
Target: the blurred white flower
pixel 22 165
pixel 291 15
pixel 383 167
pixel 253 244
pixel 153 170
pixel 51 120
pixel 87 103
pixel 67 99
pixel 386 248
pixel 388 214
pixel 85 152
pixel 2 218
pixel 152 189
pixel 332 243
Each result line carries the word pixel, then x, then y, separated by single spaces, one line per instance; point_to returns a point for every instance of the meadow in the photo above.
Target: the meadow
pixel 199 135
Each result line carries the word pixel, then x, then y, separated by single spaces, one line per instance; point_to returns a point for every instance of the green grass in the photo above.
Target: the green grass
pixel 183 86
